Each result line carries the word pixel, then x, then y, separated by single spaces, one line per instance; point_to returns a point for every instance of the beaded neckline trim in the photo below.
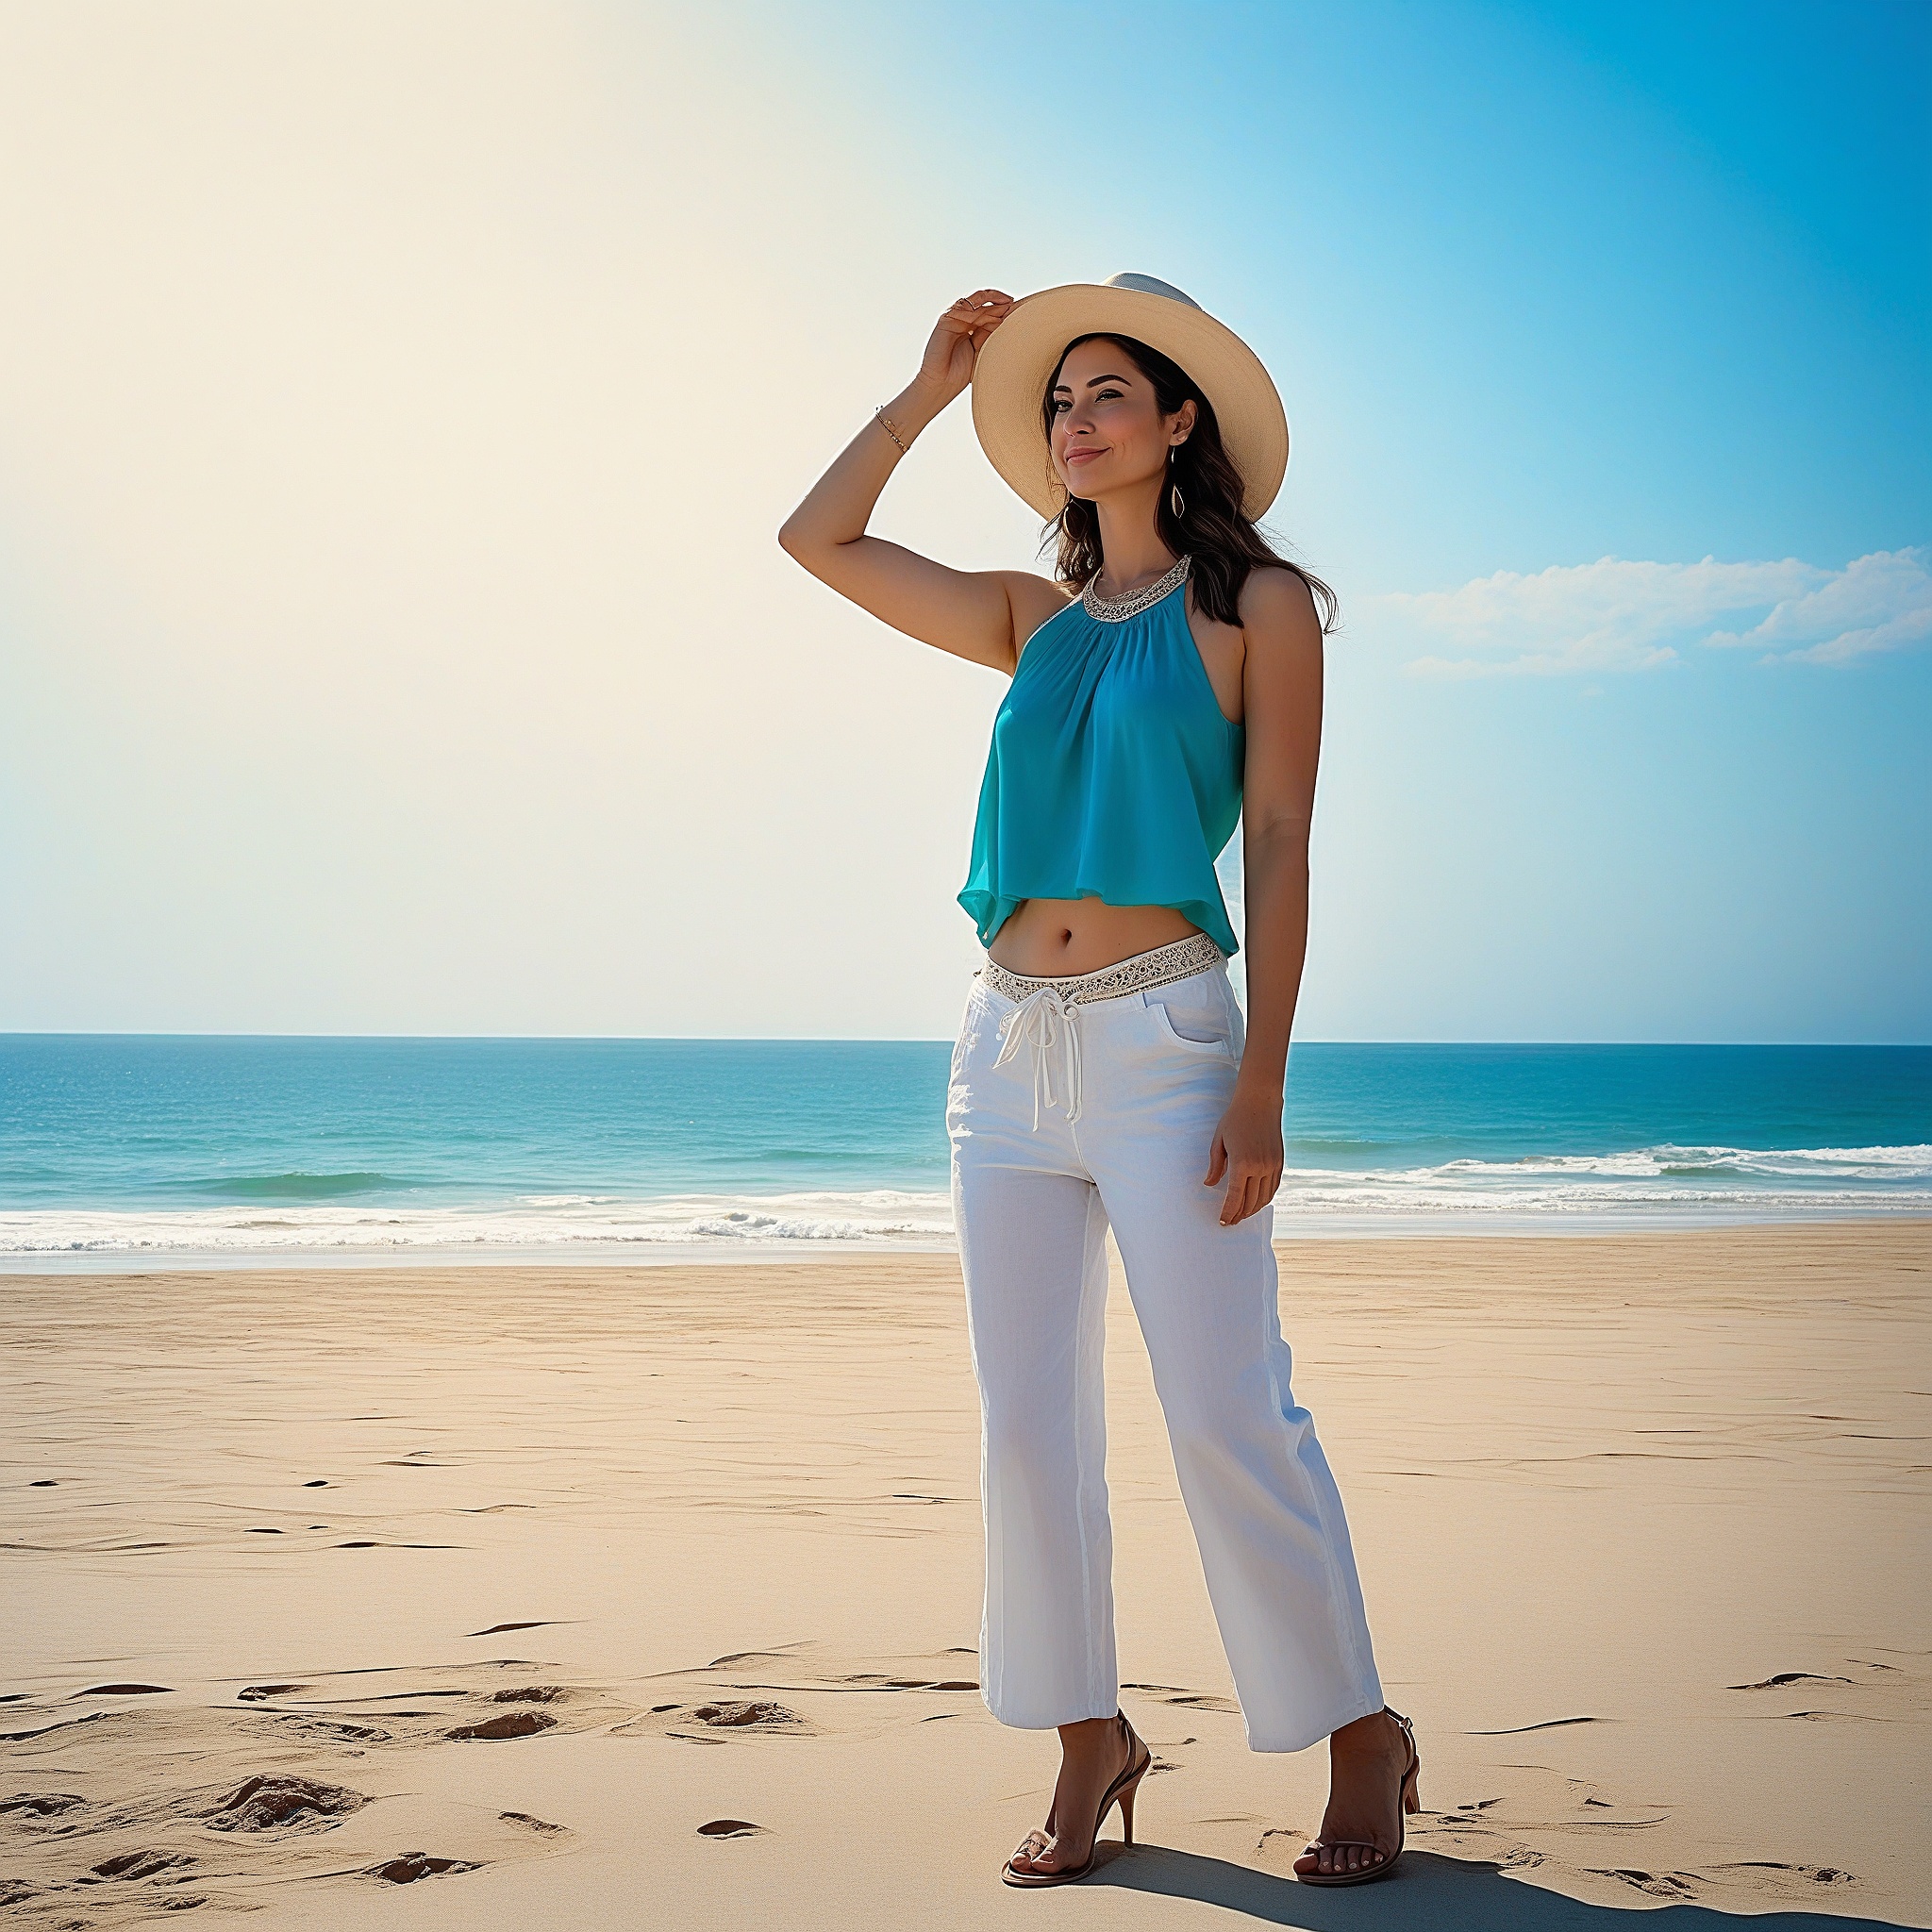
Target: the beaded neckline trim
pixel 1118 609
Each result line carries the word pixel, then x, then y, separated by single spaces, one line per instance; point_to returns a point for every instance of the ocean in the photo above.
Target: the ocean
pixel 177 1150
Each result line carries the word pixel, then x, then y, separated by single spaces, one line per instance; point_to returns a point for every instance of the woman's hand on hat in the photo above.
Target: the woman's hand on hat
pixel 953 350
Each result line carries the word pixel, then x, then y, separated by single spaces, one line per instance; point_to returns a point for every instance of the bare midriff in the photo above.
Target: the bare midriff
pixel 1047 939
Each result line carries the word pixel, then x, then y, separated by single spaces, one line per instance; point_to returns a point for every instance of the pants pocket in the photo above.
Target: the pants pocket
pixel 970 1023
pixel 1195 1014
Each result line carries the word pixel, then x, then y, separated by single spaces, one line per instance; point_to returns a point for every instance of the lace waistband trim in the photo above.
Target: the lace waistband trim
pixel 1177 959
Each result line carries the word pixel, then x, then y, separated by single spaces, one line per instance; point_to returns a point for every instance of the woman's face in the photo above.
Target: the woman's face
pixel 1108 432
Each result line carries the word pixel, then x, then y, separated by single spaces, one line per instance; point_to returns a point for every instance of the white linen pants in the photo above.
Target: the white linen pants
pixel 1145 1077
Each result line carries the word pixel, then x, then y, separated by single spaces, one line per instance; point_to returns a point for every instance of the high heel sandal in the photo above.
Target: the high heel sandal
pixel 1411 1803
pixel 1122 1793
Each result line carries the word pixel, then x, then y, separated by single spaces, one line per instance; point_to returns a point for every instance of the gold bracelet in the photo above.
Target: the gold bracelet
pixel 884 422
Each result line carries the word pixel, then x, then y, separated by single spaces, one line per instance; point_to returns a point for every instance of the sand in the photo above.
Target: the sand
pixel 527 1597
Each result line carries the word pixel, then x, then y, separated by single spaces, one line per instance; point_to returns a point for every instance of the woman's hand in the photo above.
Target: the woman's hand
pixel 953 350
pixel 985 616
pixel 1247 1149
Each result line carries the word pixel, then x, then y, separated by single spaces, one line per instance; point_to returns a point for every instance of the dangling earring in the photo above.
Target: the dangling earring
pixel 1177 502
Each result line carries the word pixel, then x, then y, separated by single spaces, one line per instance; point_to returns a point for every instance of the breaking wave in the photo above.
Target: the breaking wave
pixel 1665 1183
pixel 571 1222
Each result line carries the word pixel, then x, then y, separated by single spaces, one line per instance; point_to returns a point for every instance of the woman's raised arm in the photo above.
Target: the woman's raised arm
pixel 983 615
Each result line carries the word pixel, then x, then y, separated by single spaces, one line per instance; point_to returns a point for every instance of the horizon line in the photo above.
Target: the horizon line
pixel 867 1040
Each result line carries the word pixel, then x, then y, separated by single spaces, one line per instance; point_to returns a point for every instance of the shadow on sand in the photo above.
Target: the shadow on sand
pixel 1429 1893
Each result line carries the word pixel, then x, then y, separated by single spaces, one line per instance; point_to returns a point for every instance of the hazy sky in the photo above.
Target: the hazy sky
pixel 400 401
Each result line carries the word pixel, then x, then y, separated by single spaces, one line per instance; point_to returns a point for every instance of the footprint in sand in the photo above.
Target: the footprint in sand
pixel 513 1724
pixel 1675 1884
pixel 1783 1880
pixel 331 1728
pixel 1277 1841
pixel 141 1864
pixel 745 1716
pixel 40 1804
pixel 282 1804
pixel 531 1824
pixel 126 1691
pixel 1541 1815
pixel 1783 1677
pixel 411 1866
pixel 729 1827
pixel 700 1724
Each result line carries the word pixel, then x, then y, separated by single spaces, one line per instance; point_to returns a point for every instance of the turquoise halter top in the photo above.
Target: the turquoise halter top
pixel 1112 774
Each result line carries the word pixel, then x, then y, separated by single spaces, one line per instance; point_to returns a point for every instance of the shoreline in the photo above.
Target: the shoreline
pixel 1583 1225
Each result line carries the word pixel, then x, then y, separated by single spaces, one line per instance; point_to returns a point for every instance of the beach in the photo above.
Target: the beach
pixel 571 574
pixel 649 1595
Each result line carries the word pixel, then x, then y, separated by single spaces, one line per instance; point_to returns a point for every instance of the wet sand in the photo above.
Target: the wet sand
pixel 617 1597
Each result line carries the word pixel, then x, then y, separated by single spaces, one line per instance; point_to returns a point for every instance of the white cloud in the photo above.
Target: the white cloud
pixel 1880 602
pixel 1619 615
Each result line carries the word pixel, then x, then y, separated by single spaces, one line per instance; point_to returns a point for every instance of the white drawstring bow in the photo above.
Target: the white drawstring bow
pixel 1045 1020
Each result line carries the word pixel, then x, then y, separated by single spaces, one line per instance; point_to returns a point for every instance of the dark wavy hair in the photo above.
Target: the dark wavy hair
pixel 1213 528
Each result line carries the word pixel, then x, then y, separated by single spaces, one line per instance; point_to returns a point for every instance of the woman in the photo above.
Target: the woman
pixel 1167 683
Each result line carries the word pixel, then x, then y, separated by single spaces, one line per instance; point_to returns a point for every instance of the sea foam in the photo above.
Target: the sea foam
pixel 1659 1183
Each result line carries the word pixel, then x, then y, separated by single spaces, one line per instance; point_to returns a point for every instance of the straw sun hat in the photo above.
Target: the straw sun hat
pixel 1009 382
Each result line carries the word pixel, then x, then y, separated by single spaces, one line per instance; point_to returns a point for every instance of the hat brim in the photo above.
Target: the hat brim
pixel 1010 384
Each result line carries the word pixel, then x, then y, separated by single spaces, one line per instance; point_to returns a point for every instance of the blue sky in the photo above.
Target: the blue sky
pixel 392 638
pixel 1558 280
pixel 1544 286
